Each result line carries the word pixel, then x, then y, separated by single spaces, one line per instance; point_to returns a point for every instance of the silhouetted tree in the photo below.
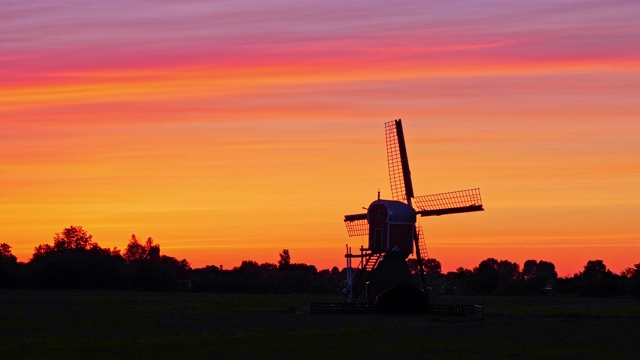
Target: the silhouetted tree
pixel 153 251
pixel 493 277
pixel 414 268
pixel 458 282
pixel 248 277
pixel 75 261
pixel 135 251
pixel 301 278
pixel 330 281
pixel 631 278
pixel 538 276
pixel 432 267
pixel 285 259
pixel 9 270
pixel 72 238
pixel 529 269
pixel 596 280
pixel 628 272
pixel 205 279
pixel 486 276
pixel 5 253
pixel 41 250
pixel 148 270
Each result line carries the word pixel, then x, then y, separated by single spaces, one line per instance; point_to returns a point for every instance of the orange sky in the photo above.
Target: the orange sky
pixel 228 132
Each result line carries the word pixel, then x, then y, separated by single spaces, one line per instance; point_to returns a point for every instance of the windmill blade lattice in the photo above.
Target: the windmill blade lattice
pixel 449 203
pixel 399 174
pixel 422 243
pixel 357 227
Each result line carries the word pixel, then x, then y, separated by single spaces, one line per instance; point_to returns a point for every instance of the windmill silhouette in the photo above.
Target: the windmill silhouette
pixel 392 231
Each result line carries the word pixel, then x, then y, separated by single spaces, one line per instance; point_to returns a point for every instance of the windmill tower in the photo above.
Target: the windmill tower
pixel 391 228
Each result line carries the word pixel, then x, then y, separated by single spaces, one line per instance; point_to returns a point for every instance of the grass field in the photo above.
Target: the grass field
pixel 92 325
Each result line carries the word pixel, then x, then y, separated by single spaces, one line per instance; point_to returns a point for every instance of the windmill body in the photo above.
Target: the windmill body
pixel 390 226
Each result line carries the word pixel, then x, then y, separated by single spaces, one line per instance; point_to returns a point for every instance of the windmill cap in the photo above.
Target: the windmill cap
pixel 391 211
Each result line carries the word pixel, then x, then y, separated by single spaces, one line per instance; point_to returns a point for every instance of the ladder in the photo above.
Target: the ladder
pixel 362 275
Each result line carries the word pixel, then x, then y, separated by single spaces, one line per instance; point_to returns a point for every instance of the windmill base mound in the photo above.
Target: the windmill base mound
pixel 392 271
pixel 392 287
pixel 402 299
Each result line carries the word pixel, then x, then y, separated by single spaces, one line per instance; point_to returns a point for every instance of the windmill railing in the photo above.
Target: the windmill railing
pixel 458 310
pixel 476 311
pixel 339 308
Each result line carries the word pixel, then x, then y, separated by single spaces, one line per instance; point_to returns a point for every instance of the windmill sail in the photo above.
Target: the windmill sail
pixel 422 244
pixel 449 203
pixel 357 224
pixel 398 162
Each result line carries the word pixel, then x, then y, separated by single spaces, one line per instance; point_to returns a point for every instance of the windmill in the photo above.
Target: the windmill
pixel 391 228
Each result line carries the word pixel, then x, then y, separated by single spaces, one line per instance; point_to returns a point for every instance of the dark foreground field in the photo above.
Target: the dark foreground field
pixel 93 325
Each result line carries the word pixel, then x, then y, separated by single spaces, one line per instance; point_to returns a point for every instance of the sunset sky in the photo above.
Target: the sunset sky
pixel 230 130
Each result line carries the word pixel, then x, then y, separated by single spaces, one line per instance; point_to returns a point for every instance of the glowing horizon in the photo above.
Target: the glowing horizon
pixel 229 132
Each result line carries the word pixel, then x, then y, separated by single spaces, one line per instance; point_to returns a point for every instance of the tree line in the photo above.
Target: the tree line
pixel 503 277
pixel 75 261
